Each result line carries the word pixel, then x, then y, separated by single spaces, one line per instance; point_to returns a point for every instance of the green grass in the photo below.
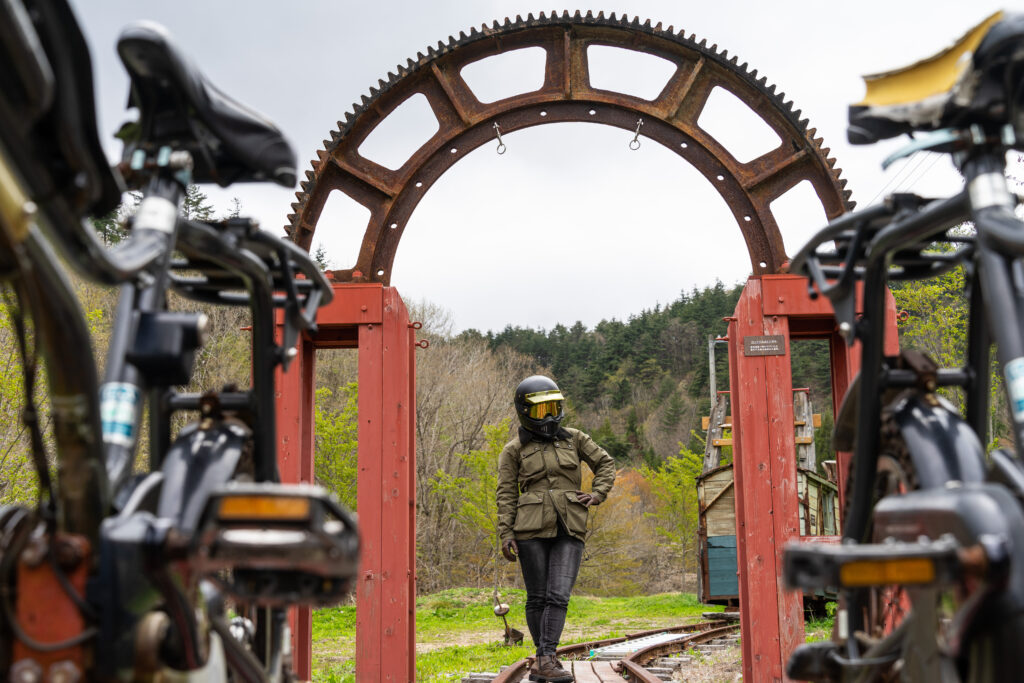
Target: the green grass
pixel 457 632
pixel 820 627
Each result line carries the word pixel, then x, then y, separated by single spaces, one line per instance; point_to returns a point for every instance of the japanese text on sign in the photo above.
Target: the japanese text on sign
pixel 772 345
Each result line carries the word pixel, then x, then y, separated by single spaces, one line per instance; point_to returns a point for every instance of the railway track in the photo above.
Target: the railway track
pixel 643 657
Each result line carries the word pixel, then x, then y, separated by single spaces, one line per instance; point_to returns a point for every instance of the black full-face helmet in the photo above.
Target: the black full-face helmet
pixel 538 404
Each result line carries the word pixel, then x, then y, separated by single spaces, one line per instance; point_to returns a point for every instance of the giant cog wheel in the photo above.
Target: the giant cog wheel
pixel 465 123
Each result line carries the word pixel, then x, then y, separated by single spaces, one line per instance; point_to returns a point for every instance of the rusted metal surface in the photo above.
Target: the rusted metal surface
pixel 634 663
pixel 465 123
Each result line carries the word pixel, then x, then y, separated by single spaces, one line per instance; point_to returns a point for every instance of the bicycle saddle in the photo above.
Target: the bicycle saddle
pixel 977 80
pixel 179 108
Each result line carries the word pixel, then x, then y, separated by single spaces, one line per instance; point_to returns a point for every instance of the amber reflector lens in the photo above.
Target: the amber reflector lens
pixel 914 570
pixel 264 507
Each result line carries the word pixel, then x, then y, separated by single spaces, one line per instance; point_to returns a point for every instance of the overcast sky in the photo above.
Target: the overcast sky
pixel 608 231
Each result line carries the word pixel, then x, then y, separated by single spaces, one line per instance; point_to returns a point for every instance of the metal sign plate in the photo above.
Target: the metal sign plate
pixel 771 345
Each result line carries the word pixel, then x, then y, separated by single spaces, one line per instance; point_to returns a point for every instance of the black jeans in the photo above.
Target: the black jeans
pixel 549 567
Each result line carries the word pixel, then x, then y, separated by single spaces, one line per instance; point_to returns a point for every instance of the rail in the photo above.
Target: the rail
pixel 691 634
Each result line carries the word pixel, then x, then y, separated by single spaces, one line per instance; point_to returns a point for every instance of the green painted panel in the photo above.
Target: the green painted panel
pixel 722 579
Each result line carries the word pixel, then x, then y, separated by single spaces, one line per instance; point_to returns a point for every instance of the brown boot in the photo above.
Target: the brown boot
pixel 547 670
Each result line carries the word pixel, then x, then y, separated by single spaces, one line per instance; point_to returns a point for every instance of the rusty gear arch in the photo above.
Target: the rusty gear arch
pixel 368 314
pixel 465 123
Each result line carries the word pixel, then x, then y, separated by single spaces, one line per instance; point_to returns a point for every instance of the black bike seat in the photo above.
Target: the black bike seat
pixel 179 108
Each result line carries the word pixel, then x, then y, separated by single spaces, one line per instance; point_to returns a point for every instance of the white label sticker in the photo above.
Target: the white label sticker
pixel 156 213
pixel 118 401
pixel 1014 371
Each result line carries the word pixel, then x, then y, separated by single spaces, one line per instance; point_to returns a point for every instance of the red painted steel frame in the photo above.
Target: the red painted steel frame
pixel 767 516
pixel 373 319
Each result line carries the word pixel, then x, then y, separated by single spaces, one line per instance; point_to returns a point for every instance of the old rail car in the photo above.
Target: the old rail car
pixel 718 584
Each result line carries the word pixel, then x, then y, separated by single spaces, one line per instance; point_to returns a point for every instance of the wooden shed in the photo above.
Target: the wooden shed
pixel 819 512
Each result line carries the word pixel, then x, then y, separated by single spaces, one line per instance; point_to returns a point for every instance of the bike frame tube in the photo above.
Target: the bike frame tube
pixel 979 342
pixel 124 386
pixel 1000 242
pixel 82 487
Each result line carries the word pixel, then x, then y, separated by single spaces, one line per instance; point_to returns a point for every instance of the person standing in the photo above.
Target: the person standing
pixel 542 513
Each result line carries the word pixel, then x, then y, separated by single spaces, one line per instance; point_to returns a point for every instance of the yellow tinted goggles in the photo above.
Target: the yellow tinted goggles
pixel 538 411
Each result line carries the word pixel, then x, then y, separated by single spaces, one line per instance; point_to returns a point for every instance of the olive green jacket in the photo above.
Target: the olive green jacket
pixel 537 481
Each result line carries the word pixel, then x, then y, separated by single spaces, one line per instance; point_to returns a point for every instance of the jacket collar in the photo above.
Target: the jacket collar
pixel 526 437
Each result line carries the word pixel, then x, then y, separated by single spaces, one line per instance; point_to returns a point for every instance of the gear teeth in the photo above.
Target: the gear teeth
pixel 291 219
pixel 776 99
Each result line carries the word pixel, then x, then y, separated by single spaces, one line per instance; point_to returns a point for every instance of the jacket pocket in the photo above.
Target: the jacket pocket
pixel 576 514
pixel 567 458
pixel 531 463
pixel 529 513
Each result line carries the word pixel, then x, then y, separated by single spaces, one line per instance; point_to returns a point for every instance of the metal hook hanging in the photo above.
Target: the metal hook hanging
pixel 634 144
pixel 501 145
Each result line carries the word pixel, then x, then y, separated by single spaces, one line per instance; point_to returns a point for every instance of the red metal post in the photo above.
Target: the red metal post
pixel 767 515
pixel 370 497
pixel 295 400
pixel 373 319
pixel 755 385
pixel 398 593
